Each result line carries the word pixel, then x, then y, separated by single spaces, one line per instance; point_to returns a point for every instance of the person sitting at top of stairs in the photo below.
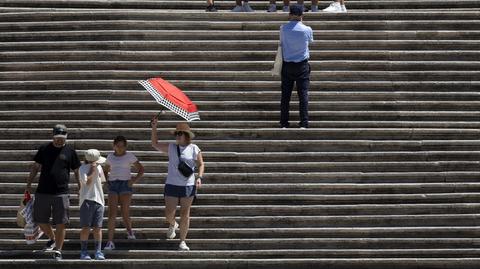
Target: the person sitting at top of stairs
pixel 211 6
pixel 338 6
pixel 286 5
pixel 242 7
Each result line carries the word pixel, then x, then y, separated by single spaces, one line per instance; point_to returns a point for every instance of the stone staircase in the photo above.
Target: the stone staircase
pixel 387 175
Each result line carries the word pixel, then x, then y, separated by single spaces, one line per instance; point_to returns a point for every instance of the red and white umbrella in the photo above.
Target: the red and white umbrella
pixel 171 97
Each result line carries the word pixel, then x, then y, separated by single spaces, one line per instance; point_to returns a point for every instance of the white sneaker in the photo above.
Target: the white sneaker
pixel 109 246
pixel 131 235
pixel 171 231
pixel 183 246
pixel 237 9
pixel 272 8
pixel 334 7
pixel 286 9
pixel 344 8
pixel 247 7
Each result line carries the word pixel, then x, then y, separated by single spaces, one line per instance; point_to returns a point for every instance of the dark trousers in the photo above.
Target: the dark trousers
pixel 292 73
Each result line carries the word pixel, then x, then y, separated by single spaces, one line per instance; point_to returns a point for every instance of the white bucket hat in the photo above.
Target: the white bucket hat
pixel 93 155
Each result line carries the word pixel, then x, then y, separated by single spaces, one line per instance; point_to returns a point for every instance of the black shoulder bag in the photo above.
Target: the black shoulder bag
pixel 184 169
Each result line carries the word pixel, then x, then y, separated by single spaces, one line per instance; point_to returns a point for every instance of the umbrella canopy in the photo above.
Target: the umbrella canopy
pixel 171 97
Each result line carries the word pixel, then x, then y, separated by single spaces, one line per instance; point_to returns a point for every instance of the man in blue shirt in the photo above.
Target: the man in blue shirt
pixel 294 40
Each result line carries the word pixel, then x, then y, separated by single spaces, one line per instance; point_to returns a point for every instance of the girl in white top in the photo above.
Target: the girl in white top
pixel 118 171
pixel 177 186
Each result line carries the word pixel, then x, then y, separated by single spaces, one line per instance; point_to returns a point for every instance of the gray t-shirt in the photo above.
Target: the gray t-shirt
pixel 189 155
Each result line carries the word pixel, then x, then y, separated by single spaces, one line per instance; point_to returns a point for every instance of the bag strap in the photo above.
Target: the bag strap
pixel 178 153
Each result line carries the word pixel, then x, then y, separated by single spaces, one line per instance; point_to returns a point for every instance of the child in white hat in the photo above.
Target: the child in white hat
pixel 92 203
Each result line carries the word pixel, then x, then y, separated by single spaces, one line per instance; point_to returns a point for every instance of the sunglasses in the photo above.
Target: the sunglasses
pixel 179 133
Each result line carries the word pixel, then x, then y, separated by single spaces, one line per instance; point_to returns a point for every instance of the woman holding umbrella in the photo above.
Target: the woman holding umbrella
pixel 181 184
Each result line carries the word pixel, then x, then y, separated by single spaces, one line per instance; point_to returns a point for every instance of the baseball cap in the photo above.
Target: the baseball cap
pixel 60 130
pixel 296 10
pixel 93 155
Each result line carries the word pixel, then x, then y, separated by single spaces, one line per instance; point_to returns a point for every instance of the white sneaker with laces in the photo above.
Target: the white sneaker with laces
pixel 272 8
pixel 183 246
pixel 109 246
pixel 286 9
pixel 334 7
pixel 237 9
pixel 247 7
pixel 171 231
pixel 344 8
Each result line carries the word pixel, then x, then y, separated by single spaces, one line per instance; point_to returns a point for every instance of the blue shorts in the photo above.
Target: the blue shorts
pixel 91 214
pixel 119 187
pixel 180 191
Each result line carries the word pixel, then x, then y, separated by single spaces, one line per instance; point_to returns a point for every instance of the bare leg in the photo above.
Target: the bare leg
pixel 97 234
pixel 47 229
pixel 112 215
pixel 300 2
pixel 59 236
pixel 84 233
pixel 209 2
pixel 273 2
pixel 314 2
pixel 286 3
pixel 170 208
pixel 185 205
pixel 238 2
pixel 125 201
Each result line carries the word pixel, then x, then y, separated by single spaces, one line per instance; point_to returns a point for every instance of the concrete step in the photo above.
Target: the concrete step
pixel 260 105
pixel 265 244
pixel 239 96
pixel 272 145
pixel 318 188
pixel 297 210
pixel 298 199
pixel 238 65
pixel 244 124
pixel 340 76
pixel 312 177
pixel 335 263
pixel 257 254
pixel 162 24
pixel 245 45
pixel 149 35
pixel 237 233
pixel 27 155
pixel 386 115
pixel 238 55
pixel 166 4
pixel 218 167
pixel 19 14
pixel 254 134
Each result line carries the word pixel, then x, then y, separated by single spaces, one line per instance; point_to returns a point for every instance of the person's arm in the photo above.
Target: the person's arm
pixel 139 167
pixel 92 173
pixel 77 178
pixel 201 170
pixel 106 171
pixel 162 147
pixel 34 169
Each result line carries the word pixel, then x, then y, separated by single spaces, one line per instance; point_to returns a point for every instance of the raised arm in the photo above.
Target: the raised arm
pixel 162 147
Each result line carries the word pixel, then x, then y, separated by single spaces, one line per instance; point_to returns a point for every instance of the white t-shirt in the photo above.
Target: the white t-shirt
pixel 94 191
pixel 121 166
pixel 189 155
